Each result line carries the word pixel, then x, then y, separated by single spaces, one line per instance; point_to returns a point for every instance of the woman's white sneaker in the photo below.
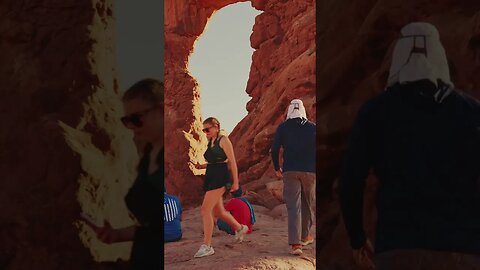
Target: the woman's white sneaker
pixel 203 251
pixel 239 235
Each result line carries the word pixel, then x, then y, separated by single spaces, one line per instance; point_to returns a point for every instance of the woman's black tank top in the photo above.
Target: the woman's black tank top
pixel 215 153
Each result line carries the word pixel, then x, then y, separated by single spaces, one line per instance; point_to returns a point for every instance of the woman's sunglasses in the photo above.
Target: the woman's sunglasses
pixel 135 118
pixel 206 130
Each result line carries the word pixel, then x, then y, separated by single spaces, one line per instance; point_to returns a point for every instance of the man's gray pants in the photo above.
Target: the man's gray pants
pixel 299 196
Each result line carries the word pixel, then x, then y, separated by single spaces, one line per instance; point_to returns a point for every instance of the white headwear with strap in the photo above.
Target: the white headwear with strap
pixel 419 55
pixel 297 110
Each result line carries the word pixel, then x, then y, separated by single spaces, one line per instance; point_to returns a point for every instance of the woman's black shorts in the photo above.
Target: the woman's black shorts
pixel 217 176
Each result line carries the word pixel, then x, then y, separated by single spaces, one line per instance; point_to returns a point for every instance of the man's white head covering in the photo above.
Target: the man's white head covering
pixel 419 55
pixel 297 110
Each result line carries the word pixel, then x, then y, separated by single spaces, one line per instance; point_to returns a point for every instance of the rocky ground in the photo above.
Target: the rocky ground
pixel 265 248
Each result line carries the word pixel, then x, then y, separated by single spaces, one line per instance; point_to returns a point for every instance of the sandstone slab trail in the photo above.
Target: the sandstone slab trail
pixel 265 248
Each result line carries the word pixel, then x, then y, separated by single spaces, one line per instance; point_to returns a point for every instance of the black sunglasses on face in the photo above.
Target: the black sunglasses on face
pixel 206 129
pixel 135 118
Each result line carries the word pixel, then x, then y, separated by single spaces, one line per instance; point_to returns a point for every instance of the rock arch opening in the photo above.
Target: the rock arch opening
pixel 221 63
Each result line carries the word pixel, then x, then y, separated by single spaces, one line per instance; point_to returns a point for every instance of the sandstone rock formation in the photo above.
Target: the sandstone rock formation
pixel 276 189
pixel 283 68
pixel 60 135
pixel 355 43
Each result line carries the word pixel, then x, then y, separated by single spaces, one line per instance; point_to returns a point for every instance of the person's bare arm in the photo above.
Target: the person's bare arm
pixel 199 166
pixel 109 235
pixel 126 234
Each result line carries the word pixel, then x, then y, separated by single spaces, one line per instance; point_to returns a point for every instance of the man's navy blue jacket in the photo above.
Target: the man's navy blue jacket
pixel 298 142
pixel 426 157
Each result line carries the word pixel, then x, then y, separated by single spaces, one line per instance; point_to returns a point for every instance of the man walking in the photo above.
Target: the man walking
pixel 297 137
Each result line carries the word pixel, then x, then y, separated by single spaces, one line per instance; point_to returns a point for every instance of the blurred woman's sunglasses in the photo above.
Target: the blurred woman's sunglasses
pixel 135 118
pixel 206 130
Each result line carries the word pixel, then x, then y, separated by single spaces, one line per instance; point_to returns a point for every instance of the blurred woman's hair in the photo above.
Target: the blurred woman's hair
pixel 149 90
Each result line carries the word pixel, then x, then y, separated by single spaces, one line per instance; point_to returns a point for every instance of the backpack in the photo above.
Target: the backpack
pixel 171 218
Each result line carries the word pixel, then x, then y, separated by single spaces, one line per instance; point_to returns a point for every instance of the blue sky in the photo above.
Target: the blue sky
pixel 221 63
